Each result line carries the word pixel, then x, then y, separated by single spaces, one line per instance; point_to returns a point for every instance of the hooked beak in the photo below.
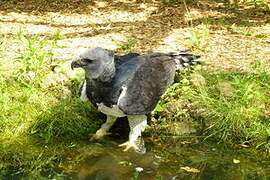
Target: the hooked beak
pixel 76 64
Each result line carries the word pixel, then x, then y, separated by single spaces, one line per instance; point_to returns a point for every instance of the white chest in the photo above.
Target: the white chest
pixel 83 96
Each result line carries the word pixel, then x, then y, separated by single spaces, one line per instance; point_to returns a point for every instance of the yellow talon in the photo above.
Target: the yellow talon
pixel 99 135
pixel 128 145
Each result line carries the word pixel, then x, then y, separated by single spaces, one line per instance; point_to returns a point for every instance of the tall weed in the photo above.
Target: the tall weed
pixel 198 37
pixel 35 57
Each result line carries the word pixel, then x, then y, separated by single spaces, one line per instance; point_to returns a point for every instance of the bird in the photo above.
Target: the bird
pixel 128 86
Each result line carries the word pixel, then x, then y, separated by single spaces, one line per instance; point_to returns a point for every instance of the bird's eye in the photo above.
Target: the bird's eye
pixel 87 60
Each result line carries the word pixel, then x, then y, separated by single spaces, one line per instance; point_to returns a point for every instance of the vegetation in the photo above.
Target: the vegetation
pixel 34 106
pixel 229 106
pixel 43 123
pixel 197 40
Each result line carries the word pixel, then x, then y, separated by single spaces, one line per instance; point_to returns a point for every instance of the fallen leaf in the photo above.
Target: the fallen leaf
pixel 124 163
pixel 190 169
pixel 236 161
pixel 186 142
pixel 244 145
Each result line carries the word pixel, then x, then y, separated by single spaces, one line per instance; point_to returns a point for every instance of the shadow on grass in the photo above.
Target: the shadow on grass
pixel 70 118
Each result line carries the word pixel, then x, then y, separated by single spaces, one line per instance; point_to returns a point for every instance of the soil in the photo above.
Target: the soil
pixel 237 36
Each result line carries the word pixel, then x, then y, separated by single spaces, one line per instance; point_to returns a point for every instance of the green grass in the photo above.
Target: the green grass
pixel 238 30
pixel 39 124
pixel 259 4
pixel 129 45
pixel 230 106
pixel 197 39
pixel 255 4
pixel 35 111
pixel 30 108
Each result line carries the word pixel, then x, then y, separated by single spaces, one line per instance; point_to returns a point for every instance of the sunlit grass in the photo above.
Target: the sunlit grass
pixel 229 106
pixel 197 39
pixel 36 121
pixel 30 108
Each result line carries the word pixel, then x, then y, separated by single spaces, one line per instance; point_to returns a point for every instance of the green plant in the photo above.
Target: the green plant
pixel 57 35
pixel 232 106
pixel 257 4
pixel 129 45
pixel 261 4
pixel 34 58
pixel 239 30
pixel 261 36
pixel 197 40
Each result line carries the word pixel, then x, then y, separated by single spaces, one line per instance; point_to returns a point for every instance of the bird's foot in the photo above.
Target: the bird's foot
pixel 128 145
pixel 99 134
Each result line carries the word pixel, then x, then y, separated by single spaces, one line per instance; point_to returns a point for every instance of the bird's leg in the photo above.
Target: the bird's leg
pixel 137 124
pixel 104 128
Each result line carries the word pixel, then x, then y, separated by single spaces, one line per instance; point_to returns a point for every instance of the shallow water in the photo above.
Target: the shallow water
pixel 164 159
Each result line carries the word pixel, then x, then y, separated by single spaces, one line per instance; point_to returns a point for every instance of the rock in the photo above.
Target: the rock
pixel 139 169
pixel 181 128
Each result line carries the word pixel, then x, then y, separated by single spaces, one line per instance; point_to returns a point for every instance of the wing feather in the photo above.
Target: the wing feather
pixel 154 74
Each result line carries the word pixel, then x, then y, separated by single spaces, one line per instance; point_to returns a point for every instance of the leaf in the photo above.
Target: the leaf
pixel 190 169
pixel 124 163
pixel 159 108
pixel 236 161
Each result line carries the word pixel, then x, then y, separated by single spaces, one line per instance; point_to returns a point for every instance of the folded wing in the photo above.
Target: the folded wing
pixel 153 75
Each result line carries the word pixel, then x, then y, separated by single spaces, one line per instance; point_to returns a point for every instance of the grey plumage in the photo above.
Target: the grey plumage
pixel 131 84
pixel 146 78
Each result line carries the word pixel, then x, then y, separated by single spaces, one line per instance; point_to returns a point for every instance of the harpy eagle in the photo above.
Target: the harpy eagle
pixel 129 85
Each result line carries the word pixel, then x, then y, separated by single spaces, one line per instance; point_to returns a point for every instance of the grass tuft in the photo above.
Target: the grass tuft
pixel 34 59
pixel 198 37
pixel 131 43
pixel 229 106
pixel 69 119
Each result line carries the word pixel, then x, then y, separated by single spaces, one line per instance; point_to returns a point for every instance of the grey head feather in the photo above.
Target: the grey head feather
pixel 100 64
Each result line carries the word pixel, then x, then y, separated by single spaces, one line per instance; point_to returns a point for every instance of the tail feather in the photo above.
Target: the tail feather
pixel 183 59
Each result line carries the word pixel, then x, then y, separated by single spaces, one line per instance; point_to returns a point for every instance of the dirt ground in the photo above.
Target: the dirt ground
pixel 237 36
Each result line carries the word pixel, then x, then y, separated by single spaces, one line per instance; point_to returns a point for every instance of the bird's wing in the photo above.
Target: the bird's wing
pixel 119 60
pixel 153 74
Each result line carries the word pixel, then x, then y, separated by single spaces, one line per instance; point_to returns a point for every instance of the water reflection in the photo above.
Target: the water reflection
pixel 173 160
pixel 165 159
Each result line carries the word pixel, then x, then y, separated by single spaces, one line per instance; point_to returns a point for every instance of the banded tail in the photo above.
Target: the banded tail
pixel 184 59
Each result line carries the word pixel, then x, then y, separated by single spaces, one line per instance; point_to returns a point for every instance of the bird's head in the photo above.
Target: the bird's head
pixel 98 63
